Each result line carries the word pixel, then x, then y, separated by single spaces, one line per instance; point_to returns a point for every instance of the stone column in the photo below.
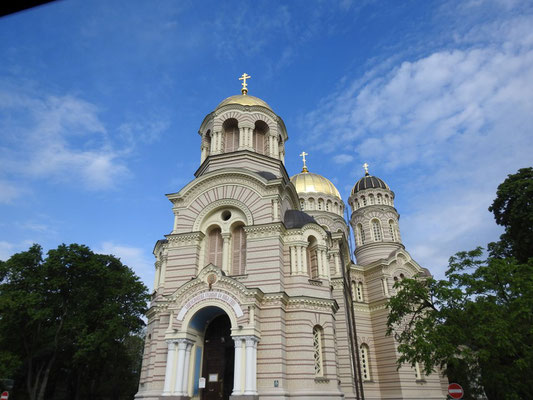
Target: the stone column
pixel 157 274
pixel 178 385
pixel 385 283
pixel 186 367
pixel 250 382
pixel 163 271
pixel 204 149
pixel 175 226
pixel 242 145
pixel 275 209
pixel 320 264
pixel 298 259
pixel 225 252
pixel 237 384
pixel 294 269
pixel 167 391
pixel 325 264
pixel 276 147
pixel 250 141
pixel 305 270
pixel 337 263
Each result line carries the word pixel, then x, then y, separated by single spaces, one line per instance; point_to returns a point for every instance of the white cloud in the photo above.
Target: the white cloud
pixel 343 158
pixel 134 257
pixel 451 125
pixel 54 137
pixel 7 249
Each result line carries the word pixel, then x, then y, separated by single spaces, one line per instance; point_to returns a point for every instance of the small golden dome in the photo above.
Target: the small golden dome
pixel 307 182
pixel 244 100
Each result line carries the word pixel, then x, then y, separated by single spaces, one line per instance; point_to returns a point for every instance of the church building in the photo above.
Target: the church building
pixel 256 295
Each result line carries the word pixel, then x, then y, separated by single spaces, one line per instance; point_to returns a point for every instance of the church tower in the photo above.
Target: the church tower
pixel 255 293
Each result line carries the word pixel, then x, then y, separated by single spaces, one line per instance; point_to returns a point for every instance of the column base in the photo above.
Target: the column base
pixel 244 397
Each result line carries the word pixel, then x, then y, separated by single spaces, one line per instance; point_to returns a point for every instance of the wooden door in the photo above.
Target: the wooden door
pixel 218 360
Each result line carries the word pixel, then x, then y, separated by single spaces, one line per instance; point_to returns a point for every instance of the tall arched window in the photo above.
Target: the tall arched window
pixel 214 247
pixel 387 199
pixel 392 230
pixel 365 362
pixel 361 234
pixel 238 240
pixel 376 230
pixel 312 259
pixel 231 135
pixel 359 291
pixel 260 137
pixel 318 336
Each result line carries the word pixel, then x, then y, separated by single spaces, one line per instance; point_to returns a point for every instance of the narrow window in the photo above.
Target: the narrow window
pixel 260 137
pixel 360 291
pixel 391 230
pixel 387 199
pixel 376 229
pixel 380 199
pixel 361 234
pixel 371 199
pixel 239 250
pixel 357 204
pixel 231 135
pixel 365 364
pixel 302 204
pixel 317 345
pixel 214 247
pixel 312 257
pixel 363 199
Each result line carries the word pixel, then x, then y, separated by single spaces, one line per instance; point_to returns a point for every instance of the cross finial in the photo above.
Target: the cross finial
pixel 243 78
pixel 365 166
pixel 304 169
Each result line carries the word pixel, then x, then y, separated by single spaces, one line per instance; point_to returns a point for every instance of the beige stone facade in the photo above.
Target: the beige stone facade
pixel 256 295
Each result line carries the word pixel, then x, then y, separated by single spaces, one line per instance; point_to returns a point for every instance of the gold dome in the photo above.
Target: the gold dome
pixel 244 100
pixel 307 182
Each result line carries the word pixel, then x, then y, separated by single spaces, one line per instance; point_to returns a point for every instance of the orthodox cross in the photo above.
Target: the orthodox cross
pixel 365 166
pixel 304 169
pixel 243 78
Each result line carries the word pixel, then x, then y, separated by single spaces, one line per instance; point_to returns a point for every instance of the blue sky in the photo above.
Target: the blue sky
pixel 100 104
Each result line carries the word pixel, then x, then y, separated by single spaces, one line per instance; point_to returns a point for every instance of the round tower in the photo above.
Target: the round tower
pixel 374 219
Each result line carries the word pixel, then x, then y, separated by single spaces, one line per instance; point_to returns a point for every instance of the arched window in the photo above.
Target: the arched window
pixel 320 204
pixel 311 204
pixel 231 135
pixel 312 258
pixel 302 203
pixel 392 230
pixel 214 247
pixel 371 199
pixel 361 234
pixel 363 199
pixel 357 204
pixel 318 337
pixel 365 362
pixel 238 240
pixel 380 199
pixel 260 137
pixel 359 291
pixel 387 199
pixel 376 230
pixel 328 205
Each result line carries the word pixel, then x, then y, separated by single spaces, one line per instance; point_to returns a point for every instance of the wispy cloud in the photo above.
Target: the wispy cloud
pixel 455 122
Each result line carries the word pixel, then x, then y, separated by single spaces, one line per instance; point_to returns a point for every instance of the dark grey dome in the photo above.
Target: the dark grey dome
pixel 369 182
pixel 296 219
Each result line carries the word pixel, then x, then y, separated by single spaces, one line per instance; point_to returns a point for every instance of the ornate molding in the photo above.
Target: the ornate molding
pixel 185 239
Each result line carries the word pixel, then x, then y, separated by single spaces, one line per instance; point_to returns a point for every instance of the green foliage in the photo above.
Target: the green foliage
pixel 67 321
pixel 477 325
pixel 513 209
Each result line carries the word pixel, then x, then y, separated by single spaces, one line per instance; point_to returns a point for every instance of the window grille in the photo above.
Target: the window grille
pixel 317 344
pixel 365 365
pixel 376 228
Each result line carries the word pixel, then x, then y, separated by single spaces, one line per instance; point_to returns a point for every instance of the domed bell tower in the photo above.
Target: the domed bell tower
pixel 374 219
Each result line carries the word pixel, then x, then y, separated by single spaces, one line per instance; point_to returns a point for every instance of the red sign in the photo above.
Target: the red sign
pixel 455 391
pixel 4 396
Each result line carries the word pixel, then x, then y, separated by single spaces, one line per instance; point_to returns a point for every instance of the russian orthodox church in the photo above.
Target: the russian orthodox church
pixel 256 295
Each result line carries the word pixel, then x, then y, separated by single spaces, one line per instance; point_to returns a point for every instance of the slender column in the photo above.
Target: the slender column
pixel 275 209
pixel 225 252
pixel 385 286
pixel 163 271
pixel 298 259
pixel 276 147
pixel 178 386
pixel 157 274
pixel 250 383
pixel 337 264
pixel 250 138
pixel 168 370
pixel 175 227
pixel 241 138
pixel 305 270
pixel 186 367
pixel 282 157
pixel 237 384
pixel 325 264
pixel 204 150
pixel 294 271
pixel 319 262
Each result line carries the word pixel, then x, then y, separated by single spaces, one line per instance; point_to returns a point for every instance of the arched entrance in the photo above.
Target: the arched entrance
pixel 218 359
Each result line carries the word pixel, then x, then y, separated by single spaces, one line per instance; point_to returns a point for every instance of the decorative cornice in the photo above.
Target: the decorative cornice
pixel 185 239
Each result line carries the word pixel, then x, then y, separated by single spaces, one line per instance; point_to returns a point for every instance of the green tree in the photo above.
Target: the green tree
pixel 66 320
pixel 513 209
pixel 477 324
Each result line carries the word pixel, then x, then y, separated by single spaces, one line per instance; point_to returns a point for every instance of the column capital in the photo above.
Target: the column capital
pixel 251 341
pixel 171 343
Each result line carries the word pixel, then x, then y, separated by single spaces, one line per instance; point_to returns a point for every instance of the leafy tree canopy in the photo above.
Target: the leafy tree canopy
pixel 477 324
pixel 67 320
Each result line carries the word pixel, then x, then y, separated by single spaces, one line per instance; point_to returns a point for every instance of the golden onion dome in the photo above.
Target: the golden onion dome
pixel 244 100
pixel 307 182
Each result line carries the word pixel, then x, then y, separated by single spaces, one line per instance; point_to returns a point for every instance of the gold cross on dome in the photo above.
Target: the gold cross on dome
pixel 243 78
pixel 304 169
pixel 365 166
